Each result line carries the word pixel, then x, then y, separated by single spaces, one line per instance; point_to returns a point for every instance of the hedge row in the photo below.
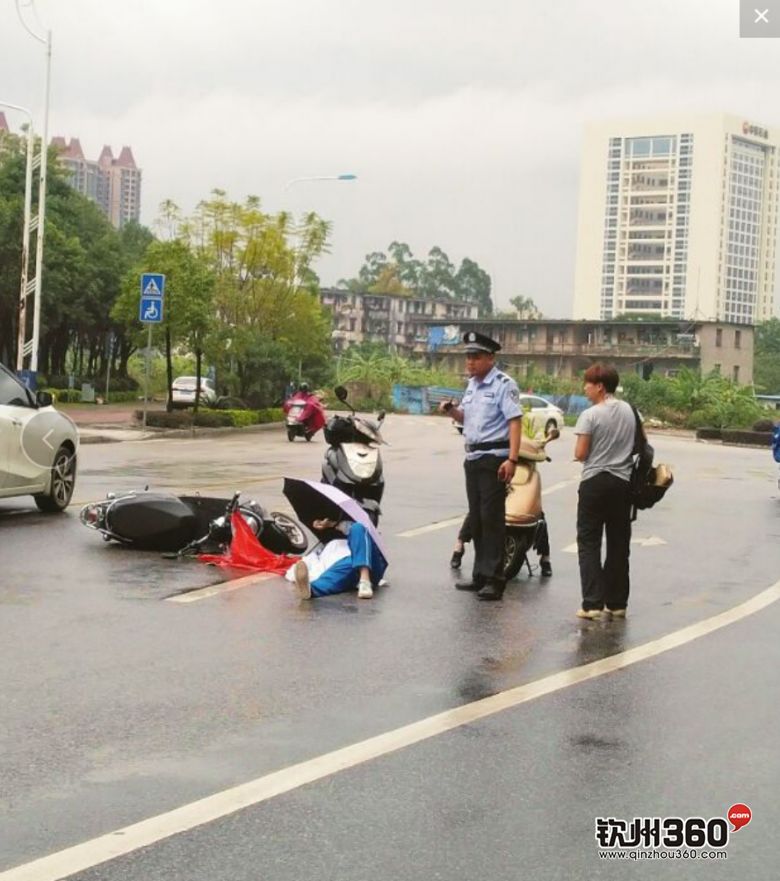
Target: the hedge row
pixel 210 418
pixel 735 436
pixel 73 395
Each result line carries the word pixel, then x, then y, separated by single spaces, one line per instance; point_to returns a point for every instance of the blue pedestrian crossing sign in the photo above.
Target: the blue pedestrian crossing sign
pixel 152 291
pixel 152 284
pixel 151 310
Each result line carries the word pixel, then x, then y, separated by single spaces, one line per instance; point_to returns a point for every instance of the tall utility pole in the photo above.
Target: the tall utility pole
pixel 25 287
pixel 28 348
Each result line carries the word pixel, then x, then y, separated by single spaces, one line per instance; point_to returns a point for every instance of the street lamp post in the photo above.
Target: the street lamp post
pixel 22 316
pixel 46 41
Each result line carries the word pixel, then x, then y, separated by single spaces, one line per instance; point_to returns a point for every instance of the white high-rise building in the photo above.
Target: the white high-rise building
pixel 678 217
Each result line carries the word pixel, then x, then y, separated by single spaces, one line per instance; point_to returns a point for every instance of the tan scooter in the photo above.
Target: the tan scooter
pixel 524 516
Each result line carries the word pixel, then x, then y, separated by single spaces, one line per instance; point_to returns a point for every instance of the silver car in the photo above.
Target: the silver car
pixel 540 415
pixel 184 388
pixel 38 446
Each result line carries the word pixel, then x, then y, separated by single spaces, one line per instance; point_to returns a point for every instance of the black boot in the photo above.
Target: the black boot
pixel 491 591
pixel 471 585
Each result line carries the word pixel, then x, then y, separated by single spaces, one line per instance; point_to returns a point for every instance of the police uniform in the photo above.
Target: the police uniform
pixel 488 404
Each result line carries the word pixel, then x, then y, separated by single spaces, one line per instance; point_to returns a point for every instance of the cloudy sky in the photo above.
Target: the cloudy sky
pixel 463 120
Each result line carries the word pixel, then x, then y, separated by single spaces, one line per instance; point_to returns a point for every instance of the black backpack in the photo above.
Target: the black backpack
pixel 646 489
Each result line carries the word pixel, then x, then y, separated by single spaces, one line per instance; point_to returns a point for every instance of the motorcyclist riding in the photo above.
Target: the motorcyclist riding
pixel 305 416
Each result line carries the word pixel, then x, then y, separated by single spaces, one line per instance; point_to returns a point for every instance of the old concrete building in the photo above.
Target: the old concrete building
pixel 565 347
pixel 393 319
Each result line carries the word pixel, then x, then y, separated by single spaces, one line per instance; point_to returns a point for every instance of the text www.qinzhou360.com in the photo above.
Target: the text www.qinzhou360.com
pixel 637 855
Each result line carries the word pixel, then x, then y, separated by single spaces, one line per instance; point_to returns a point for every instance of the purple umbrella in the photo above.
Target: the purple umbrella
pixel 320 501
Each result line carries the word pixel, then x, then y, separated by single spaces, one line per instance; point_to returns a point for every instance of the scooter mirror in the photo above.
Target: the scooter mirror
pixel 341 393
pixel 381 416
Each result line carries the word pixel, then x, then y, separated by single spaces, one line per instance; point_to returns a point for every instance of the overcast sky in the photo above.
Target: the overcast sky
pixel 462 120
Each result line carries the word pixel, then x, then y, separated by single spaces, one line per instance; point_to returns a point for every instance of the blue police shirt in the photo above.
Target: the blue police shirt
pixel 488 405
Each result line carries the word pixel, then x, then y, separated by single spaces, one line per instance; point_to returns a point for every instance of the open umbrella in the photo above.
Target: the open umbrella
pixel 317 501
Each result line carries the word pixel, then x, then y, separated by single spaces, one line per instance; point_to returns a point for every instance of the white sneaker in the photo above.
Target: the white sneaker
pixel 364 590
pixel 302 580
pixel 590 614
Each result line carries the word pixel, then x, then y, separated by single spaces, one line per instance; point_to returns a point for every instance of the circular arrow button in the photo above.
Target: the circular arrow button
pixel 42 436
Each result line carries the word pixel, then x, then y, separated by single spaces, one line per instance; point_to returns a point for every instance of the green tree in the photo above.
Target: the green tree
pixel 473 285
pixel 766 361
pixel 188 312
pixel 525 307
pixel 265 287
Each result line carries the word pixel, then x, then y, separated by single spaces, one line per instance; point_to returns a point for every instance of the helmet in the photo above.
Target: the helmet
pixel 303 387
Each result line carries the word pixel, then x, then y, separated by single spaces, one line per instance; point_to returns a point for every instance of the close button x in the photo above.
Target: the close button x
pixel 761 16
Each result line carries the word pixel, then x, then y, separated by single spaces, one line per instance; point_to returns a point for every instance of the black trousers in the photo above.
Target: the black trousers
pixel 487 510
pixel 541 541
pixel 604 506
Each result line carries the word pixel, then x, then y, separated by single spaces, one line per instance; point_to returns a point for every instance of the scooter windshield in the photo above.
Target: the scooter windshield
pixel 369 430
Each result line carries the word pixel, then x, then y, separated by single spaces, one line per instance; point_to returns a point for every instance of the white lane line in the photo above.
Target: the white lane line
pixel 456 521
pixel 651 541
pixel 432 527
pixel 123 841
pixel 203 593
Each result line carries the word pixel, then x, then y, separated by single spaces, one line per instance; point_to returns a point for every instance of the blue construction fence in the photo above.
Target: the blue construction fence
pixel 425 399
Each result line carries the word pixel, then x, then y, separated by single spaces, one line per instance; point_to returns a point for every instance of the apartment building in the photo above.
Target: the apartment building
pixel 678 218
pixel 113 183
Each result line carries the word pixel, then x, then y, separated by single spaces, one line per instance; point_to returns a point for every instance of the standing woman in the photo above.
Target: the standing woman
pixel 605 442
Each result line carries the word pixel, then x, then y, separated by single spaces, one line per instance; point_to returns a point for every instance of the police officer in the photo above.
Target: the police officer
pixel 491 416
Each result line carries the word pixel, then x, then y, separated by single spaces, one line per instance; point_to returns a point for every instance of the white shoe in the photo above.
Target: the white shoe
pixel 364 590
pixel 302 580
pixel 590 614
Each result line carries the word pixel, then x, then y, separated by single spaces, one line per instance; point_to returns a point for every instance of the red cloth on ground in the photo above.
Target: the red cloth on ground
pixel 246 552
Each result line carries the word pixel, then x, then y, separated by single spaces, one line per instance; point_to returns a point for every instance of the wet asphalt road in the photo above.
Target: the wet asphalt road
pixel 118 705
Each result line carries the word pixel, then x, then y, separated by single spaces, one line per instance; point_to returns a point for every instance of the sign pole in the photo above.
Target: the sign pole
pixel 150 311
pixel 146 371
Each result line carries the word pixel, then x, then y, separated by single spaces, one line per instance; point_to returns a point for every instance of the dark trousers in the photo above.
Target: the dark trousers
pixel 487 510
pixel 541 540
pixel 604 506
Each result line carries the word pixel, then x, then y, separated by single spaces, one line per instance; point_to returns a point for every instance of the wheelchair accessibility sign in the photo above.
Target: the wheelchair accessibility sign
pixel 150 309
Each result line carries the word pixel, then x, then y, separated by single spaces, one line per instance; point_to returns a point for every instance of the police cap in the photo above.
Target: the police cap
pixel 478 342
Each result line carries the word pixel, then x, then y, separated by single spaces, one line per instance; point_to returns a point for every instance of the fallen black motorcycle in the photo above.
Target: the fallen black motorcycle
pixel 188 525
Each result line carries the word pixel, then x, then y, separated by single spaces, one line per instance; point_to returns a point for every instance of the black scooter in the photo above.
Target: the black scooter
pixel 353 462
pixel 187 525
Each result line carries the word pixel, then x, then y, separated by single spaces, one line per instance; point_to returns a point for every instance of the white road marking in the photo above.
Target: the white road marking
pixel 130 838
pixel 431 527
pixel 455 521
pixel 203 593
pixel 650 542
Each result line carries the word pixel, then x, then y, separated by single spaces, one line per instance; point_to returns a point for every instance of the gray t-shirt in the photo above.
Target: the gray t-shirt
pixel 612 429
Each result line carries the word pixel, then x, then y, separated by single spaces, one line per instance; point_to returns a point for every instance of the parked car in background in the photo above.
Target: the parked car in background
pixel 184 388
pixel 540 415
pixel 38 446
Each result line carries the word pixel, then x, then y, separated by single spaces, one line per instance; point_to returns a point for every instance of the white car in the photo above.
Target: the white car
pixel 38 446
pixel 184 387
pixel 540 415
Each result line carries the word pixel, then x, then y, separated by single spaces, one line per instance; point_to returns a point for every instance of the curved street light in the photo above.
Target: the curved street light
pixel 298 180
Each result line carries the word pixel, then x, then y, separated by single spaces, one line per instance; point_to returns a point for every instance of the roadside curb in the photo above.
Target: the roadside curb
pixel 113 436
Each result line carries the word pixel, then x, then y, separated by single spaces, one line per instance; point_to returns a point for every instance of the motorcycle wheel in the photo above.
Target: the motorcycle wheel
pixel 291 531
pixel 516 545
pixel 291 434
pixel 308 435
